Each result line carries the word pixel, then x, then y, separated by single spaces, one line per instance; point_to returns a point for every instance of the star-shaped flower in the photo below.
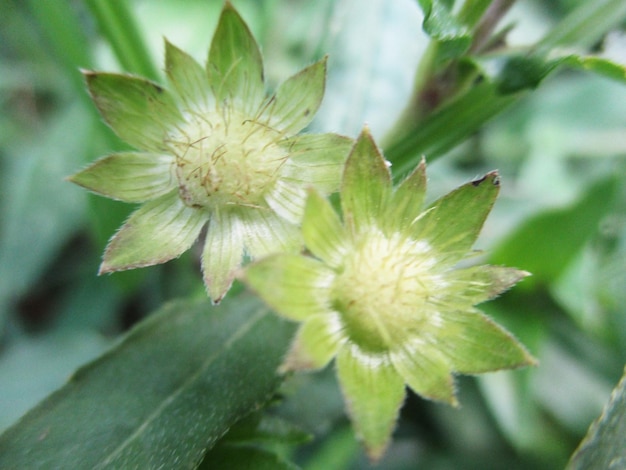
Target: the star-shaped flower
pixel 384 295
pixel 216 150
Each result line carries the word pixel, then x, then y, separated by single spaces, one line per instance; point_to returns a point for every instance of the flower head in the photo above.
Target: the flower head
pixel 214 149
pixel 384 295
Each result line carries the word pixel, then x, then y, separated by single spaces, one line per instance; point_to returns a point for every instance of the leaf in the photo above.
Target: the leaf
pixel 440 24
pixel 546 243
pixel 605 443
pixel 244 458
pixel 167 392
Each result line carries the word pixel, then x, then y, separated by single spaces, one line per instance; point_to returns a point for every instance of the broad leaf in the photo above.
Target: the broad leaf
pixel 167 392
pixel 605 443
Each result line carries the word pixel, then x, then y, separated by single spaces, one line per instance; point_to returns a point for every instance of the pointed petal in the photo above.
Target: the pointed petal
pixel 453 223
pixel 295 286
pixel 129 176
pixel 374 393
pixel 265 232
pixel 407 200
pixel 296 100
pixel 139 111
pixel 157 232
pixel 316 343
pixel 366 185
pixel 235 66
pixel 425 370
pixel 287 200
pixel 316 160
pixel 188 79
pixel 222 253
pixel 324 234
pixel 480 283
pixel 473 343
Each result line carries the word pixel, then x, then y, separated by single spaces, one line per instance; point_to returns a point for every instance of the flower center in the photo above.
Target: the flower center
pixel 386 289
pixel 222 157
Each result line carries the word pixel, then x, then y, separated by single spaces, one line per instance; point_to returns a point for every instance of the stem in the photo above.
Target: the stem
pixel 488 23
pixel 117 24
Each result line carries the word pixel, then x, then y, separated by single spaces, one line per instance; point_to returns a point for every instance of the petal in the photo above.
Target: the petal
pixel 235 66
pixel 296 286
pixel 407 200
pixel 222 253
pixel 296 100
pixel 188 79
pixel 452 223
pixel 480 283
pixel 425 370
pixel 158 232
pixel 473 343
pixel 265 232
pixel 324 234
pixel 287 200
pixel 374 393
pixel 316 343
pixel 316 160
pixel 129 176
pixel 366 185
pixel 138 110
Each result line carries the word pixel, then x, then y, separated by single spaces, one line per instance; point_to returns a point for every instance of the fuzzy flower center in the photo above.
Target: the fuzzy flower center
pixel 223 157
pixel 386 289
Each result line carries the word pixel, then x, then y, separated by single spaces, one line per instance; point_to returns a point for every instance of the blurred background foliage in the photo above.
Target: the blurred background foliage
pixel 562 214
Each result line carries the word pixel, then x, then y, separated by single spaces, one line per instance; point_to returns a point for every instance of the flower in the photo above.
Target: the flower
pixel 216 151
pixel 383 293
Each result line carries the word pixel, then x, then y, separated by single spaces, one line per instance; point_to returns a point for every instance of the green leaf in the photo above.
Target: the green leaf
pixel 157 232
pixel 452 223
pixel 139 111
pixel 440 24
pixel 605 443
pixel 235 65
pixel 188 78
pixel 373 392
pixel 484 282
pixel 297 100
pixel 324 234
pixel 168 391
pixel 366 185
pixel 316 160
pixel 222 253
pixel 408 198
pixel 447 127
pixel 129 176
pixel 296 286
pixel 546 243
pixel 236 457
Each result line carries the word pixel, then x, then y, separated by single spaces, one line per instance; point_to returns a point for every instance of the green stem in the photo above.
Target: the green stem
pixel 119 27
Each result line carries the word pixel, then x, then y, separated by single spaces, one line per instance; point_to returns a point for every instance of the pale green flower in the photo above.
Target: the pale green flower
pixel 383 293
pixel 214 150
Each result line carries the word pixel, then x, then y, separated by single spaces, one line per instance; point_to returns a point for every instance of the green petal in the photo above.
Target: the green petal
pixel 295 286
pixel 129 176
pixel 406 202
pixel 158 232
pixel 287 200
pixel 480 283
pixel 373 392
pixel 473 344
pixel 187 78
pixel 235 65
pixel 316 343
pixel 366 185
pixel 316 160
pixel 139 111
pixel 324 234
pixel 265 232
pixel 222 253
pixel 452 223
pixel 296 100
pixel 425 370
